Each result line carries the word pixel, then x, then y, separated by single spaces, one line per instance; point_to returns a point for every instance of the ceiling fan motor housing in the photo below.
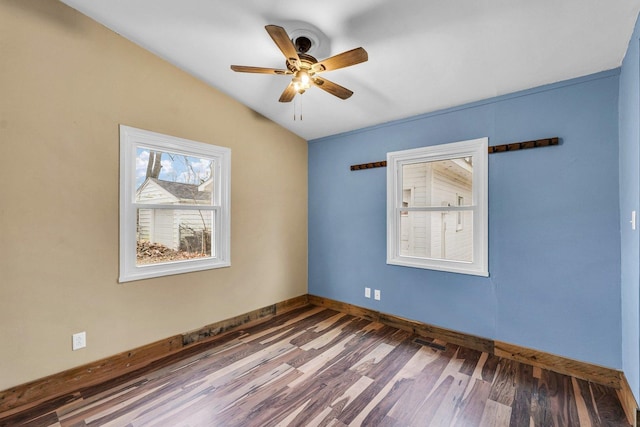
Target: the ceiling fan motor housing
pixel 306 62
pixel 302 44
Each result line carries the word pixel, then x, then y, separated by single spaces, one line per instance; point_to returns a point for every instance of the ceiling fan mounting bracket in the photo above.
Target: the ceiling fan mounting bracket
pixel 308 39
pixel 302 44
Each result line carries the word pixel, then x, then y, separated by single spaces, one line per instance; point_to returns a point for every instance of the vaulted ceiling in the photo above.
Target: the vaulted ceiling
pixel 424 55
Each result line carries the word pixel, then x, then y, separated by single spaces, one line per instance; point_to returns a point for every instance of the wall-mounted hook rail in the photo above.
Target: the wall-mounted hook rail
pixel 492 149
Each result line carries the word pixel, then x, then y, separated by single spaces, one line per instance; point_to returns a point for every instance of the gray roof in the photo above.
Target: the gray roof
pixel 183 191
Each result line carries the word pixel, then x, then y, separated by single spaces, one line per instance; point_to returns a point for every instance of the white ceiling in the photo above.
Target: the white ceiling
pixel 424 55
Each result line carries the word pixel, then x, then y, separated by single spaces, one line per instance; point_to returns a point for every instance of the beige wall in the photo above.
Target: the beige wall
pixel 66 83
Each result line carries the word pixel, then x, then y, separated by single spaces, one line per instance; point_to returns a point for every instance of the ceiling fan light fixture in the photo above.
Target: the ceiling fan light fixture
pixel 301 81
pixel 304 77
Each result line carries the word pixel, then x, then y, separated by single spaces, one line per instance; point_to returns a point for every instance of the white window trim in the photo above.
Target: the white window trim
pixel 132 138
pixel 476 148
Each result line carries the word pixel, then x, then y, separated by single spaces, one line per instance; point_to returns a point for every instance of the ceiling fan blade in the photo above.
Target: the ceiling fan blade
pixel 284 43
pixel 288 94
pixel 341 60
pixel 333 88
pixel 259 70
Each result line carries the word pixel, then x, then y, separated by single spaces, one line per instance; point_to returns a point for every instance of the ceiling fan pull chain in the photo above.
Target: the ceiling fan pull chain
pixel 297 105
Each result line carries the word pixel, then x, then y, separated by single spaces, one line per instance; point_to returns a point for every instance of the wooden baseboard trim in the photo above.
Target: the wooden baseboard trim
pixel 562 365
pixel 597 374
pixel 419 328
pixel 258 315
pixel 27 395
pixel 629 403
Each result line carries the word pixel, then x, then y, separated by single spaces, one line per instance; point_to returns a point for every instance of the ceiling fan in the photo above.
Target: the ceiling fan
pixel 304 67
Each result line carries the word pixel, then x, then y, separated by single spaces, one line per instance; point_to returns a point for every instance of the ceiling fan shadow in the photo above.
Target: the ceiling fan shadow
pixel 403 18
pixel 256 115
pixel 55 13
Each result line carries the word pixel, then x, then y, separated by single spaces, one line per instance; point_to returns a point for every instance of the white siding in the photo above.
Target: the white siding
pixel 435 234
pixel 164 231
pixel 169 226
pixel 416 180
pixel 145 224
pixel 456 245
pixel 154 225
pixel 194 223
pixel 152 193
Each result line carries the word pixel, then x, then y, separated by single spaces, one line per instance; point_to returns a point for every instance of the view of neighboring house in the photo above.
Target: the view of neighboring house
pixel 178 229
pixel 438 234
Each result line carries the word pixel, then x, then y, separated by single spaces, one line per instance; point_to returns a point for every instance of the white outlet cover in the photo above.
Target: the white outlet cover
pixel 79 341
pixel 367 292
pixel 376 294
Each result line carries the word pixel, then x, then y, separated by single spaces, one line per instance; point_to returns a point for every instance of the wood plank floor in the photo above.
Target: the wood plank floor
pixel 317 367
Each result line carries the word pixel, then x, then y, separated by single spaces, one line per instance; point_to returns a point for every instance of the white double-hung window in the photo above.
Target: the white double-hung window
pixel 437 210
pixel 174 205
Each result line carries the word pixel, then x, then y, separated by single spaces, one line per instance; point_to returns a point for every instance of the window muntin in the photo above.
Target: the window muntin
pixel 436 207
pixel 174 205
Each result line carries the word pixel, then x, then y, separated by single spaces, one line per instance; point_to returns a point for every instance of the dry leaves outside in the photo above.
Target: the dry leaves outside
pixel 152 253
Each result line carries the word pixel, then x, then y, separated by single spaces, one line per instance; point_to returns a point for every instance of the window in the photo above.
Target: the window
pixel 174 205
pixel 437 207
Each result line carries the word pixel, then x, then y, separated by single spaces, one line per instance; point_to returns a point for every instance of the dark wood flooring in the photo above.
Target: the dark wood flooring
pixel 317 367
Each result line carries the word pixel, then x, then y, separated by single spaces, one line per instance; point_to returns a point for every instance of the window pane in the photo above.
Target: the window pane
pixel 173 178
pixel 437 207
pixel 446 235
pixel 167 235
pixel 437 183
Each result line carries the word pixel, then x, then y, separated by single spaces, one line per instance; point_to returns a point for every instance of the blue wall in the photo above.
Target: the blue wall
pixel 629 201
pixel 554 237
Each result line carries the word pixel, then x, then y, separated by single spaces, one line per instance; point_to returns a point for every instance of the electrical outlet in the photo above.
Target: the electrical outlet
pixel 376 295
pixel 367 292
pixel 79 341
